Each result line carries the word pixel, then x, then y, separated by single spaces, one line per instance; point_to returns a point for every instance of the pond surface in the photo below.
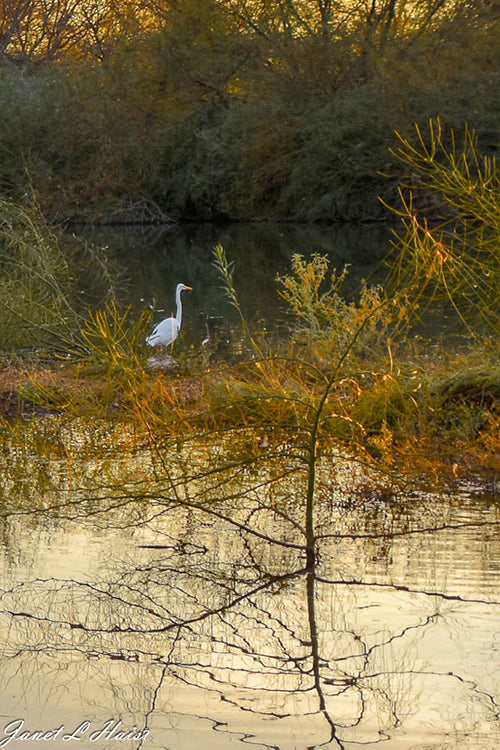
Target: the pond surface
pixel 154 259
pixel 160 598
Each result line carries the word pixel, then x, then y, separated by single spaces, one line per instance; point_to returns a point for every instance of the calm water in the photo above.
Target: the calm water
pixel 153 260
pixel 147 599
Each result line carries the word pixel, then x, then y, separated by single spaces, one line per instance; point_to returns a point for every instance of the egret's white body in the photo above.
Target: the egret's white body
pixel 167 330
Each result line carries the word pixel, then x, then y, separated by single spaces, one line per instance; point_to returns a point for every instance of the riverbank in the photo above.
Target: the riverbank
pixel 436 417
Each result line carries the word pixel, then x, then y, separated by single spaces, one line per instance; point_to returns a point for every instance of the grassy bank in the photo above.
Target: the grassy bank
pixel 409 409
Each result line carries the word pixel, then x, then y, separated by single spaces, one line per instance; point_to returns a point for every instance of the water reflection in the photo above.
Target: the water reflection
pixel 156 258
pixel 187 604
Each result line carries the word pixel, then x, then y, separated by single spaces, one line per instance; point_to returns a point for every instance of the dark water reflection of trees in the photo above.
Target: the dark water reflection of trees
pixel 190 605
pixel 154 259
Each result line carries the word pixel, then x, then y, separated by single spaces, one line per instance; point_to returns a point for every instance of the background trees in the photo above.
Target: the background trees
pixel 206 108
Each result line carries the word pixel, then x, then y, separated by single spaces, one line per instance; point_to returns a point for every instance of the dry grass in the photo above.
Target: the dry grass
pixel 441 418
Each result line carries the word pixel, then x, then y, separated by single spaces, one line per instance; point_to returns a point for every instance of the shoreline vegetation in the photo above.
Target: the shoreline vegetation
pixel 433 415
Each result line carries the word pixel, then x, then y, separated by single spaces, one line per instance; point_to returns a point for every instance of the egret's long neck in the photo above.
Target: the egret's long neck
pixel 178 316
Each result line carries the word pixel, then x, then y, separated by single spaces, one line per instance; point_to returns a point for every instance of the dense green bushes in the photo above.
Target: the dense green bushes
pixel 216 112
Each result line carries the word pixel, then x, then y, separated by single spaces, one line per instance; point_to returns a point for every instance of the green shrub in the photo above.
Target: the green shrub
pixel 36 282
pixel 332 329
pixel 42 302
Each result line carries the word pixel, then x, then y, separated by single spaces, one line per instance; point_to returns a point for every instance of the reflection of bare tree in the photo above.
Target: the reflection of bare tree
pixel 233 604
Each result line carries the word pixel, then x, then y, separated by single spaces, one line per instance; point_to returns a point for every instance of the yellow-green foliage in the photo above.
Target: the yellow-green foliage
pixel 449 245
pixel 468 401
pixel 329 325
pixel 316 310
pixel 35 279
pixel 387 400
pixel 42 301
pixel 111 338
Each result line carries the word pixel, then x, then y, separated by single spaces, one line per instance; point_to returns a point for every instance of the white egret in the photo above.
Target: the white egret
pixel 167 330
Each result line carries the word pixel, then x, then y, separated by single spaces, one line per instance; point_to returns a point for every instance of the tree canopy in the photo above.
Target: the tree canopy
pixel 234 108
